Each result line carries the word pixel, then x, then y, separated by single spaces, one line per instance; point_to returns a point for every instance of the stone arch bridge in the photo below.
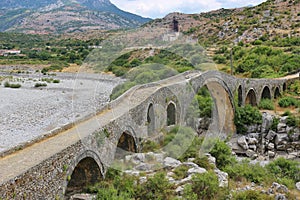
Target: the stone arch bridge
pixel 80 154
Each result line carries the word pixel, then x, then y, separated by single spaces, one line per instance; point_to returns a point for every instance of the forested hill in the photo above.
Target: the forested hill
pixel 61 16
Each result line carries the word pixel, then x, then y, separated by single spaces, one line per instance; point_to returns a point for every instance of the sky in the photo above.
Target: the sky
pixel 160 8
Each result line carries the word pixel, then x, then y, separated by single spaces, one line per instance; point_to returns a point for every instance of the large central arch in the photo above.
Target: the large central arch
pixel 223 112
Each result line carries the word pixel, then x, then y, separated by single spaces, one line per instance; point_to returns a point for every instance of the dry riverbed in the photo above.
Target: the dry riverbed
pixel 29 112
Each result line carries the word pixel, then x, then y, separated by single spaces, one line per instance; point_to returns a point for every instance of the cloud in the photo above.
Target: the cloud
pixel 160 8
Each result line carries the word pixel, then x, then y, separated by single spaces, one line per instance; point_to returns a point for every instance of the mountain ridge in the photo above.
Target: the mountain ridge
pixel 61 16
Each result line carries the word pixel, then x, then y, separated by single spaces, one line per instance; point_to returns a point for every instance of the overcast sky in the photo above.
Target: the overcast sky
pixel 160 8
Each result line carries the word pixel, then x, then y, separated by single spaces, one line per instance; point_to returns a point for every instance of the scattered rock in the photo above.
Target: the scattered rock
pixel 267 120
pixel 243 142
pixel 222 177
pixel 83 197
pixel 298 186
pixel 270 136
pixel 171 162
pixel 196 170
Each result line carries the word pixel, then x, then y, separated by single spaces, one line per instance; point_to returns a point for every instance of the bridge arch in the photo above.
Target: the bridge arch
pixel 171 113
pixel 251 97
pixel 87 170
pixel 266 93
pixel 240 95
pixel 151 119
pixel 277 93
pixel 284 87
pixel 127 144
pixel 223 112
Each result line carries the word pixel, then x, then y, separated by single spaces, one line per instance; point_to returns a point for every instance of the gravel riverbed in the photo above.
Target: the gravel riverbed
pixel 29 112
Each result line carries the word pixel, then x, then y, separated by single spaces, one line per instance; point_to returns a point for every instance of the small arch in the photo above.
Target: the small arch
pixel 240 96
pixel 284 87
pixel 277 93
pixel 126 144
pixel 171 114
pixel 266 93
pixel 251 98
pixel 150 119
pixel 87 172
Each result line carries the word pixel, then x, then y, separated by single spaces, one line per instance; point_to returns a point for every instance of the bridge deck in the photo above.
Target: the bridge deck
pixel 19 162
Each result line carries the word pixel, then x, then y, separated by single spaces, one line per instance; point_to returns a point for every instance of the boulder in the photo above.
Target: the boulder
pixel 271 146
pixel 196 170
pixel 242 141
pixel 171 162
pixel 252 141
pixel 211 159
pixel 222 177
pixel 267 120
pixel 298 186
pixel 253 147
pixel 271 154
pixel 270 136
pixel 144 167
pixel 135 158
pixel 281 139
pixel 279 188
pixel 280 197
pixel 250 153
pixel 281 128
pixel 179 190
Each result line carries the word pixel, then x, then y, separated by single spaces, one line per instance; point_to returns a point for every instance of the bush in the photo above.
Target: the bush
pixel 40 85
pixel 266 104
pixel 12 85
pixel 288 101
pixel 204 186
pixel 156 187
pixel 56 81
pixel 283 168
pixel 244 170
pixel 247 115
pixel 180 172
pixel 222 152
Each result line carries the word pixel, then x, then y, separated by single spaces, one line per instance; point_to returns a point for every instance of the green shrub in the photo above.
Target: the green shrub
pixel 150 146
pixel 180 172
pixel 251 195
pixel 204 186
pixel 247 115
pixel 245 170
pixel 266 104
pixel 283 168
pixel 56 81
pixel 12 85
pixel 222 152
pixel 203 162
pixel 288 101
pixel 156 187
pixel 40 85
pixel 15 85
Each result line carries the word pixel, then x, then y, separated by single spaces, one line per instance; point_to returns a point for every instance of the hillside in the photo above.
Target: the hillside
pixel 64 16
pixel 273 18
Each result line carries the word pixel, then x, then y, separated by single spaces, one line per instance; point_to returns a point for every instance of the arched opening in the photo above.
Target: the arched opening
pixel 171 114
pixel 277 93
pixel 150 119
pixel 284 87
pixel 251 98
pixel 87 172
pixel 266 93
pixel 240 96
pixel 126 144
